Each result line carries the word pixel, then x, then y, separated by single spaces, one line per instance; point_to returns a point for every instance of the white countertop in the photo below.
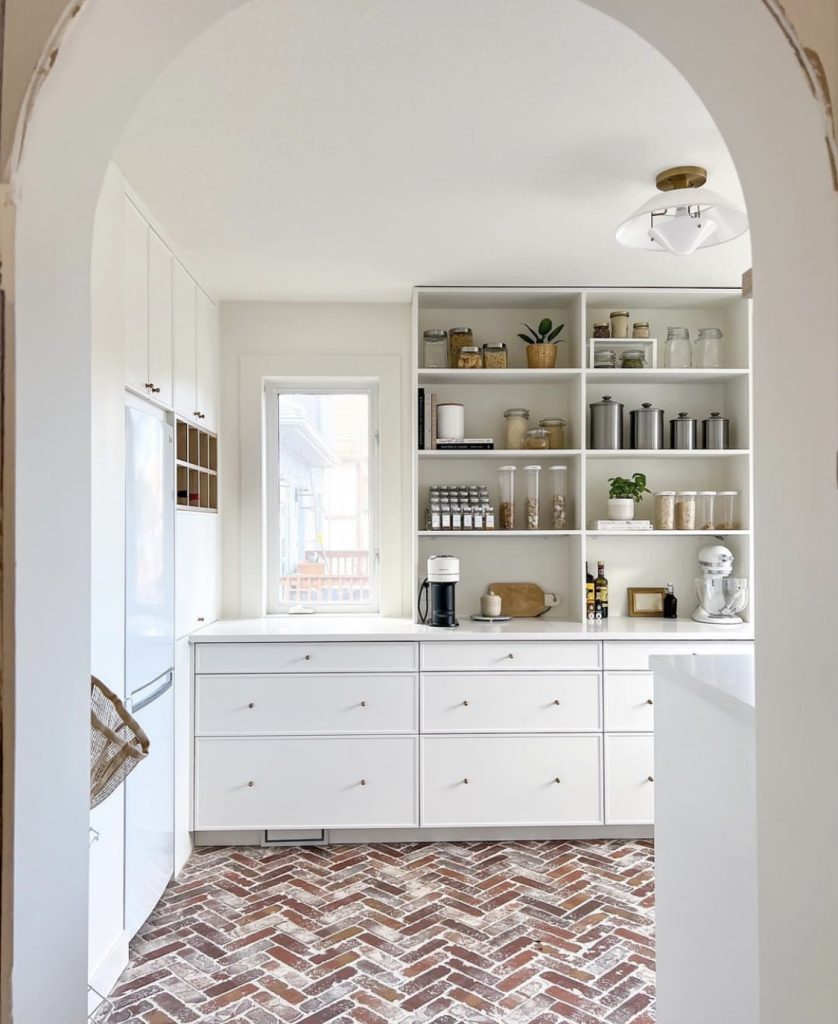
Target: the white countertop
pixel 374 627
pixel 725 681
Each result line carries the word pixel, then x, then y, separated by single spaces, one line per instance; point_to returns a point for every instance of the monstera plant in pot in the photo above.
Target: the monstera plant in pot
pixel 542 344
pixel 623 492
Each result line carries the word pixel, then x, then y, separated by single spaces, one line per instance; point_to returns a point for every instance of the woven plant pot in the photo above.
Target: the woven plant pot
pixel 542 357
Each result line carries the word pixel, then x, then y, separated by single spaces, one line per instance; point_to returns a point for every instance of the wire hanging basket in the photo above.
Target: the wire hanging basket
pixel 117 743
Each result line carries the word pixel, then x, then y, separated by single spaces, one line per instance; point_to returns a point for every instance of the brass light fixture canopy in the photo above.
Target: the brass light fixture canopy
pixel 687 176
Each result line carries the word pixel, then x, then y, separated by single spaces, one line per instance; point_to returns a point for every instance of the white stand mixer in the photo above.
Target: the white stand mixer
pixel 721 596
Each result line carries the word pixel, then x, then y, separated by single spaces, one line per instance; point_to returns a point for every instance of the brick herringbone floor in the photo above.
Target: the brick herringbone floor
pixel 519 933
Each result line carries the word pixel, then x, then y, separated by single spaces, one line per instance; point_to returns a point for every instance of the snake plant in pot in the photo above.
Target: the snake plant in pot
pixel 623 492
pixel 542 344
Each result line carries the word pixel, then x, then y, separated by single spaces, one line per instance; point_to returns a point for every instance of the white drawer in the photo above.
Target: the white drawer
pixel 322 656
pixel 510 702
pixel 629 701
pixel 511 780
pixel 325 782
pixel 634 654
pixel 629 780
pixel 471 655
pixel 263 705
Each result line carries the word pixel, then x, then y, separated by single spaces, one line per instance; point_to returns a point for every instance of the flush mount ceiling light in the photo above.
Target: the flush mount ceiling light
pixel 690 217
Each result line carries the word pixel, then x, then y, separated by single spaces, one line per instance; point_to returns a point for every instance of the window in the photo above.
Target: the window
pixel 322 496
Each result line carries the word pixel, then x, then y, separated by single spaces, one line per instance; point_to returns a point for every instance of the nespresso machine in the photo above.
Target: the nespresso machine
pixel 438 591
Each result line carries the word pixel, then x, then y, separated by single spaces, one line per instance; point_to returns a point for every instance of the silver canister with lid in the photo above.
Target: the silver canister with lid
pixel 716 431
pixel 646 428
pixel 606 423
pixel 683 432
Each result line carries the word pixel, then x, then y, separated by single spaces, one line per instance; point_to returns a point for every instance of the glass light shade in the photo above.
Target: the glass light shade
pixel 685 219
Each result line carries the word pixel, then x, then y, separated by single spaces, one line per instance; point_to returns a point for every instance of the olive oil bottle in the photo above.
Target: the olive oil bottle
pixel 590 603
pixel 601 593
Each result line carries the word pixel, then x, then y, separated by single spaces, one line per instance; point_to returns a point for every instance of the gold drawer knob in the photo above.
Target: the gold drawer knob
pixel 650 701
pixel 510 656
pixel 558 779
pixel 363 703
pixel 251 705
pixel 465 782
pixel 465 703
pixel 363 782
pixel 557 702
pixel 308 657
pixel 250 784
pixel 650 778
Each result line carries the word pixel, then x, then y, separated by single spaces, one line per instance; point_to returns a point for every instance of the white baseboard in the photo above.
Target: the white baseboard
pixel 183 849
pixel 433 835
pixel 104 977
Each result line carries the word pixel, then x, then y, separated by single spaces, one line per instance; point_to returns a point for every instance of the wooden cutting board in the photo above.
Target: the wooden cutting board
pixel 523 600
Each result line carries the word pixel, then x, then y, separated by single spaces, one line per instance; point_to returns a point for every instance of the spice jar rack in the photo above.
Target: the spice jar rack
pixel 196 468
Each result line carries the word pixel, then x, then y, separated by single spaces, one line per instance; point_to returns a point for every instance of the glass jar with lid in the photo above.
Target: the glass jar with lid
pixel 678 349
pixel 685 510
pixel 601 329
pixel 457 338
pixel 435 349
pixel 665 510
pixel 725 510
pixel 469 358
pixel 531 477
pixel 506 506
pixel 620 323
pixel 704 510
pixel 537 438
pixel 708 348
pixel 517 423
pixel 555 428
pixel 558 496
pixel 640 329
pixel 495 356
pixel 605 359
pixel 633 359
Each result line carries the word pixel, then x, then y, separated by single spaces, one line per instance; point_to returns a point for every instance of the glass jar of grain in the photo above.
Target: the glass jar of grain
pixel 555 429
pixel 517 422
pixel 685 510
pixel 469 358
pixel 457 338
pixel 665 510
pixel 537 438
pixel 495 356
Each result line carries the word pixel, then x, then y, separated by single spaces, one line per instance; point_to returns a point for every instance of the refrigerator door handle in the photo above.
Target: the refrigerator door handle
pixel 144 702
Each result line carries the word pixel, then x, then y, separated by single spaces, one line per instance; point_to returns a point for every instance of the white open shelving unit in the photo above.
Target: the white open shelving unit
pixel 556 559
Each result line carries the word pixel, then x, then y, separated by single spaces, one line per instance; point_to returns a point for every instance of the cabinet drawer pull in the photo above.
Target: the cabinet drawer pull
pixel 250 784
pixel 650 701
pixel 650 778
pixel 510 656
pixel 557 702
pixel 148 385
pixel 558 779
pixel 251 705
pixel 155 391
pixel 363 703
pixel 465 782
pixel 363 782
pixel 465 703
pixel 308 657
pixel 200 619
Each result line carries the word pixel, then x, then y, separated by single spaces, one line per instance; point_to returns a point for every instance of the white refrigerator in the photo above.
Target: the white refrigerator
pixel 149 654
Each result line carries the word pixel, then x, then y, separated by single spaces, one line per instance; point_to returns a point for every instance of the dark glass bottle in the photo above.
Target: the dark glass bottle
pixel 670 603
pixel 590 603
pixel 601 592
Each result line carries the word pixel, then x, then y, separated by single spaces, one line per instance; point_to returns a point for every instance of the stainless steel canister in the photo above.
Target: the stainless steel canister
pixel 646 427
pixel 606 423
pixel 683 432
pixel 716 431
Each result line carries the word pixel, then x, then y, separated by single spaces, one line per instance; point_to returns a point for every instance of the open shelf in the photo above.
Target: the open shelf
pixel 665 453
pixel 509 376
pixel 196 468
pixel 499 533
pixel 531 454
pixel 663 376
pixel 668 533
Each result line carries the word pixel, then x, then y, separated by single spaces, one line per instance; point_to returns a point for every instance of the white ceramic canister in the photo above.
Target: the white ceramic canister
pixel 450 421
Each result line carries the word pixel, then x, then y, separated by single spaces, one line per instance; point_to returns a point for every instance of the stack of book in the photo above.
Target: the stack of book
pixel 621 525
pixel 464 443
pixel 427 431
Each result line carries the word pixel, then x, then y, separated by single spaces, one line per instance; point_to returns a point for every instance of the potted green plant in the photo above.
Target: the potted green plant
pixel 542 344
pixel 623 493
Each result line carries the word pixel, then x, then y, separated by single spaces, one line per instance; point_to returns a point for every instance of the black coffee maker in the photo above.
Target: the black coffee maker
pixel 438 591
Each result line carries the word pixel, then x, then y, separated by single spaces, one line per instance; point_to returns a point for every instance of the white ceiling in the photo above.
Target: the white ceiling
pixel 349 149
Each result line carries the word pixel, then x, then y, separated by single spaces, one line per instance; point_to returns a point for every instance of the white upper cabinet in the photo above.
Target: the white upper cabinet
pixel 159 319
pixel 207 362
pixel 184 342
pixel 135 296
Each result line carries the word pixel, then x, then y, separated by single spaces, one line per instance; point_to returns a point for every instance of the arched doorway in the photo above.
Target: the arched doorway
pixel 775 135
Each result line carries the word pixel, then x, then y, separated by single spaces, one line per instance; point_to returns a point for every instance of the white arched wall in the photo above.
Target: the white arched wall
pixel 751 83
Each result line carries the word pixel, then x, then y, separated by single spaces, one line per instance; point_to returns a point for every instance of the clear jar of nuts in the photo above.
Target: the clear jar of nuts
pixel 558 486
pixel 495 356
pixel 531 475
pixel 469 358
pixel 457 338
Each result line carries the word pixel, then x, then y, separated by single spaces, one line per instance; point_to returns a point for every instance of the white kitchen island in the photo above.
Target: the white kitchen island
pixel 361 728
pixel 705 840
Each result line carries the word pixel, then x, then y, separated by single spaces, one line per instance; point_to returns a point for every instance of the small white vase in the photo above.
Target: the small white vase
pixel 621 508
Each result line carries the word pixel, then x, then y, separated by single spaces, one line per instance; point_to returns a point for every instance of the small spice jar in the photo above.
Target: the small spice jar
pixel 685 510
pixel 633 359
pixel 602 330
pixel 517 422
pixel 537 438
pixel 640 329
pixel 469 358
pixel 555 430
pixel 457 338
pixel 495 356
pixel 665 510
pixel 620 323
pixel 435 349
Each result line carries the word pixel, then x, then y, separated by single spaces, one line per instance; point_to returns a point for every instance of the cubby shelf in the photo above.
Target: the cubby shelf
pixel 663 376
pixel 510 376
pixel 532 455
pixel 665 453
pixel 698 534
pixel 499 533
pixel 196 468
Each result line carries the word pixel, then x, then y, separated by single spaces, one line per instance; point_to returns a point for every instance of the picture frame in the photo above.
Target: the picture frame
pixel 646 602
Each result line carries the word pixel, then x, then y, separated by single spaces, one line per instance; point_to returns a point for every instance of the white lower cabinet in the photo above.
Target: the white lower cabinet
pixel 196 571
pixel 629 701
pixel 629 779
pixel 306 782
pixel 511 780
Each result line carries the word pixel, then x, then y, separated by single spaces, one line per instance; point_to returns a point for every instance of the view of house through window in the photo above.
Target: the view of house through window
pixel 321 476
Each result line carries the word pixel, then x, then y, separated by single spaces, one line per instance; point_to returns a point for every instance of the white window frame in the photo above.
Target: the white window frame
pixel 319 386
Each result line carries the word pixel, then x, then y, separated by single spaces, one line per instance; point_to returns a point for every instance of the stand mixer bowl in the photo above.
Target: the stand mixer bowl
pixel 721 598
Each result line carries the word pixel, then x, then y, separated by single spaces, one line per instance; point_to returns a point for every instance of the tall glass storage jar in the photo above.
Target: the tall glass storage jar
pixel 506 506
pixel 558 500
pixel 555 428
pixel 708 348
pixel 685 510
pixel 435 350
pixel 665 510
pixel 517 424
pixel 678 349
pixel 531 477
pixel 704 510
pixel 725 513
pixel 458 337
